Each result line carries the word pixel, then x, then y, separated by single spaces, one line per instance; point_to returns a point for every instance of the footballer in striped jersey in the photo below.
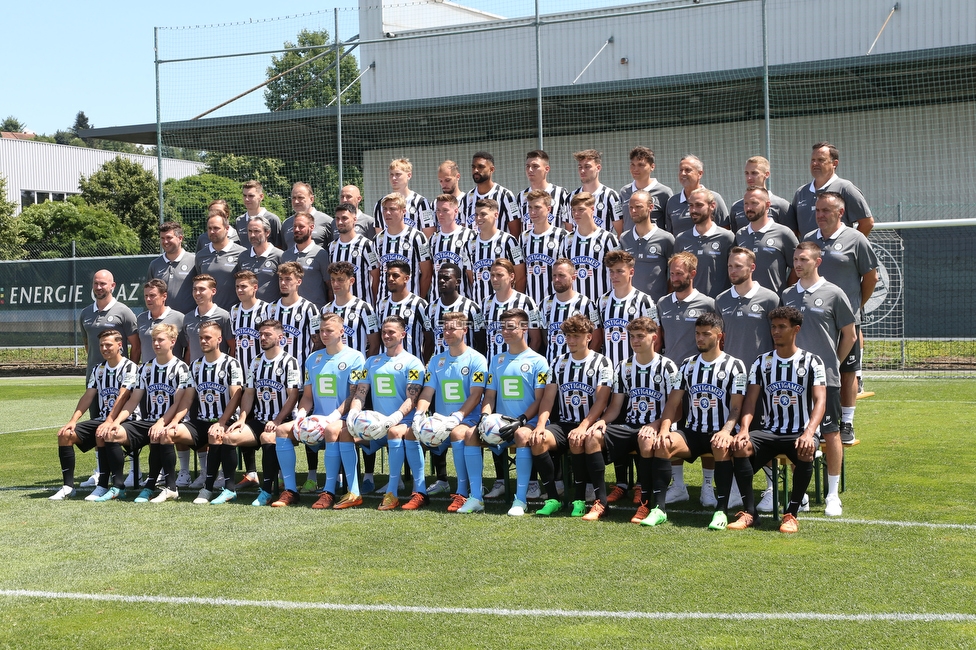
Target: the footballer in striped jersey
pixel 540 245
pixel 361 329
pixel 505 298
pixel 359 250
pixel 587 246
pixel 400 242
pixel 537 171
pixel 564 302
pixel 245 317
pixel 408 306
pixel 450 300
pixel 607 211
pixel 509 217
pixel 299 317
pixel 621 304
pixel 418 212
pixel 488 245
pixel 450 244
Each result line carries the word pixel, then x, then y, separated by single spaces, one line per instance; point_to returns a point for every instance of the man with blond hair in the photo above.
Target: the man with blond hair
pixel 607 210
pixel 418 213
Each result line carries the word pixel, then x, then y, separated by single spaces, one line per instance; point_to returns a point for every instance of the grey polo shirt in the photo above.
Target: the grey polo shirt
pixel 803 209
pixel 712 251
pixel 145 322
pixel 178 276
pixel 773 245
pixel 747 321
pixel 323 230
pixel 222 265
pixel 651 254
pixel 266 268
pixel 677 219
pixel 274 222
pixel 94 321
pixel 191 329
pixel 847 257
pixel 315 260
pixel 826 312
pixel 678 322
pixel 659 196
pixel 779 211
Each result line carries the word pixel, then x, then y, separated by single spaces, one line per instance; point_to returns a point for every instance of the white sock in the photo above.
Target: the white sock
pixel 678 474
pixel 847 414
pixel 707 476
pixel 184 457
pixel 833 482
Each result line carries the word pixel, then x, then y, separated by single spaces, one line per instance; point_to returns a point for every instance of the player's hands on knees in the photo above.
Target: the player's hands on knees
pixel 740 441
pixel 67 430
pixel 647 432
pixel 663 441
pixel 723 440
pixel 578 436
pixel 806 446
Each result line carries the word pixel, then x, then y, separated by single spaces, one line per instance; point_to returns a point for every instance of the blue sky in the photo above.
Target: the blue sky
pixel 98 56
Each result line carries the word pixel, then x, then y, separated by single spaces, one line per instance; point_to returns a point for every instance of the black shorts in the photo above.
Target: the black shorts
pixel 852 362
pixel 621 439
pixel 86 434
pixel 832 413
pixel 768 445
pixel 559 432
pixel 698 444
pixel 256 427
pixel 564 429
pixel 199 431
pixel 138 433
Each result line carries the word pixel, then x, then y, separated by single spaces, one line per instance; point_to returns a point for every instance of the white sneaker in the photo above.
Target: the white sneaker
pixel 517 509
pixel 97 492
pixel 204 497
pixel 219 482
pixel 735 499
pixel 765 501
pixel 590 493
pixel 677 493
pixel 92 480
pixel 165 495
pixel 708 496
pixel 183 478
pixel 805 503
pixel 439 487
pixel 832 508
pixel 198 484
pixel 534 491
pixel 65 492
pixel 386 488
pixel 497 490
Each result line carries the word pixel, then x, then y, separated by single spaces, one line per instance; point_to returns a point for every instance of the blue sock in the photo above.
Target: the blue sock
pixel 396 464
pixel 415 458
pixel 350 463
pixel 474 464
pixel 285 451
pixel 523 471
pixel 457 452
pixel 331 466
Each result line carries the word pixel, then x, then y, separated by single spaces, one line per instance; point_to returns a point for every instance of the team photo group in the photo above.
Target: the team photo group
pixel 566 330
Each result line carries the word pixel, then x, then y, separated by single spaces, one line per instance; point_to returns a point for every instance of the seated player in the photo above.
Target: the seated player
pixel 642 385
pixel 217 381
pixel 105 383
pixel 581 382
pixel 270 394
pixel 455 384
pixel 792 384
pixel 330 373
pixel 715 384
pixel 395 379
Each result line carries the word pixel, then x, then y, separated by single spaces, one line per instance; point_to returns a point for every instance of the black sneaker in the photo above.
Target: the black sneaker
pixel 847 434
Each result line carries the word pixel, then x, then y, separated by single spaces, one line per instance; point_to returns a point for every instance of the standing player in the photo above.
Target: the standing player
pixel 641 168
pixel 771 243
pixel 564 302
pixel 155 295
pixel 217 208
pixel 757 173
pixel 506 297
pixel 607 210
pixel 302 200
pixel 709 243
pixel 489 245
pixel 715 385
pixel 395 379
pixel 220 260
pixel 829 333
pixel 823 167
pixel 454 384
pixel 361 329
pixel 409 307
pixel 313 259
pixel 509 217
pixel 262 259
pixel 365 224
pixel 679 309
pixel 790 381
pixel 107 313
pixel 451 243
pixel 449 178
pixel 745 309
pixel 253 194
pixel 400 242
pixel 621 304
pixel 105 384
pixel 537 171
pixel 650 245
pixel 677 218
pixel 330 373
pixel 174 267
pixel 587 246
pixel 352 247
pixel 540 244
pixel 418 213
pixel 271 388
pixel 450 300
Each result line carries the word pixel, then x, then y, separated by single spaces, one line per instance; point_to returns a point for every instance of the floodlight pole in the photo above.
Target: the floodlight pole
pixel 338 86
pixel 159 128
pixel 538 74
pixel 765 46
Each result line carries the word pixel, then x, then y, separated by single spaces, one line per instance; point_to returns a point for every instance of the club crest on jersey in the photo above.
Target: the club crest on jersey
pixel 465 370
pixel 770 241
pixel 342 366
pixel 715 246
pixel 525 367
pixel 818 302
pixel 722 374
pixel 800 372
pixel 221 374
pixel 441 362
pixel 279 372
pixel 657 379
pixel 398 366
pixel 184 268
pixel 693 313
pixel 838 246
pixel 756 308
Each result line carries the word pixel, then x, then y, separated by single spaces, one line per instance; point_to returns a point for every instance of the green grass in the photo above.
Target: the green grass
pixel 914 465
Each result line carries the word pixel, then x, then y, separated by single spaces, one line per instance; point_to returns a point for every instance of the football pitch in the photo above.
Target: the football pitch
pixel 897 571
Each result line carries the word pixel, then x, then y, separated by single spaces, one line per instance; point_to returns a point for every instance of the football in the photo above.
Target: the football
pixel 434 430
pixel 365 419
pixel 490 428
pixel 310 430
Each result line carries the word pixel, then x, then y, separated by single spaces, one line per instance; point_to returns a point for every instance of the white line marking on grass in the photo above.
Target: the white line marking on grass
pixel 895 617
pixel 53 426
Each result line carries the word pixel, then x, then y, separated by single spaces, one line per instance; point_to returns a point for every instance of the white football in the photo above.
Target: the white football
pixel 434 430
pixel 362 421
pixel 489 428
pixel 311 429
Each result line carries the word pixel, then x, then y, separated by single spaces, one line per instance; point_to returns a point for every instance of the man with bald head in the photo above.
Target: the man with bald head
pixel 365 224
pixel 107 313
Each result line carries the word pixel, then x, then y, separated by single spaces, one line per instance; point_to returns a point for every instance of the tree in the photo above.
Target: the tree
pixel 127 190
pixel 10 237
pixel 49 228
pixel 186 199
pixel 313 84
pixel 82 124
pixel 267 171
pixel 12 124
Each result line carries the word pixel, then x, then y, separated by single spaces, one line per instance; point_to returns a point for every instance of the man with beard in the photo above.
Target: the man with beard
pixel 302 200
pixel 650 245
pixel 562 303
pixel 313 259
pixel 365 224
pixel 175 267
pixel 449 178
pixel 772 243
pixel 757 173
pixel 709 243
pixel 509 217
pixel 350 246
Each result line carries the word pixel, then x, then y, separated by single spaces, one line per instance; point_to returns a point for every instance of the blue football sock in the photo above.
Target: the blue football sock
pixel 523 471
pixel 415 458
pixel 285 451
pixel 474 463
pixel 396 464
pixel 457 453
pixel 350 463
pixel 332 461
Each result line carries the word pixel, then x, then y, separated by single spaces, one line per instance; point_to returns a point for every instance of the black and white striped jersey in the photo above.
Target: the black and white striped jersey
pixel 607 208
pixel 468 307
pixel 559 214
pixel 493 325
pixel 361 253
pixel 212 382
pixel 270 378
pixel 646 388
pixel 554 313
pixel 300 325
pixel 451 247
pixel 587 253
pixel 710 387
pixel 483 254
pixel 787 389
pixel 359 321
pixel 419 214
pixel 160 384
pixel 508 209
pixel 541 251
pixel 578 381
pixel 408 246
pixel 412 309
pixel 108 382
pixel 615 313
pixel 245 325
